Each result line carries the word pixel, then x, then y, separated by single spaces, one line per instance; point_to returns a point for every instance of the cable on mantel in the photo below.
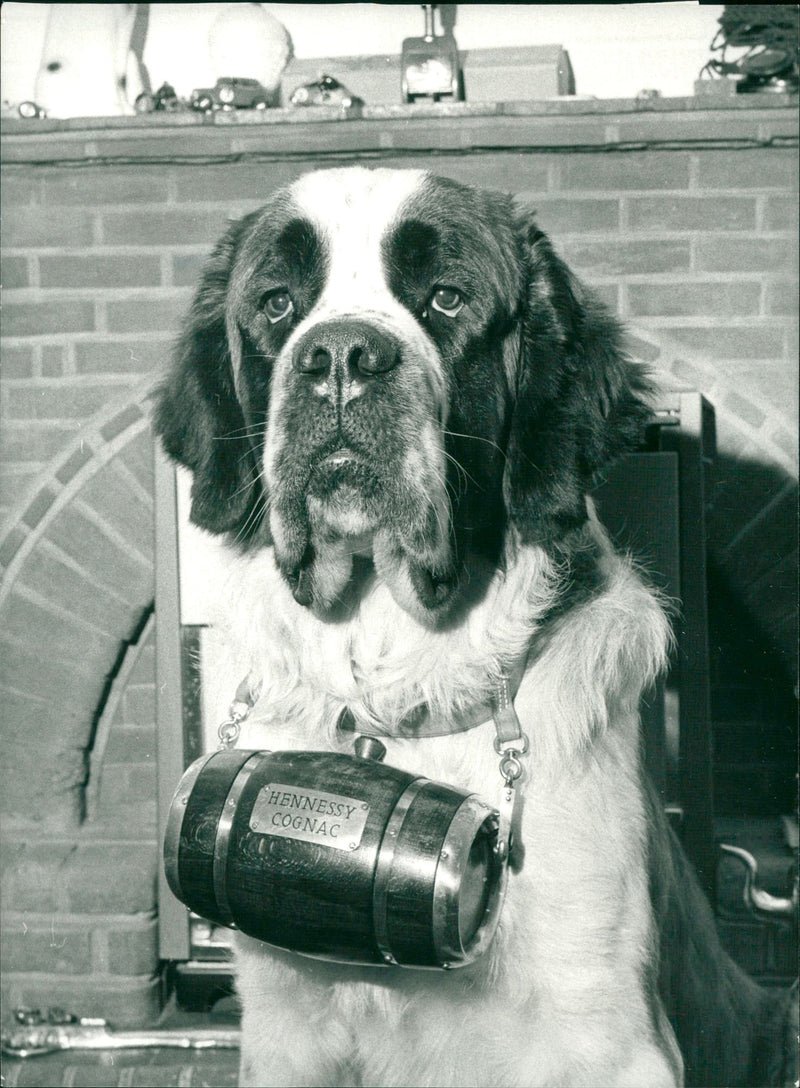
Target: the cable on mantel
pixel 732 144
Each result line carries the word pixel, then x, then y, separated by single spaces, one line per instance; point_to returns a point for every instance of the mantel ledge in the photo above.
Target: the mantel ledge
pixel 563 124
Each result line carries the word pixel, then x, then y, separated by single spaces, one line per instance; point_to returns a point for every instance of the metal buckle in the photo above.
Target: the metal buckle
pixel 230 729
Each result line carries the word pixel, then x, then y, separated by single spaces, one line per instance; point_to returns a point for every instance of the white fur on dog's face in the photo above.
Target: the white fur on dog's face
pixel 352 210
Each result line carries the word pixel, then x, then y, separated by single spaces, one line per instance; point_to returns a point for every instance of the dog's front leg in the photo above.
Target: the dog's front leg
pixel 658 1062
pixel 459 1032
pixel 291 1032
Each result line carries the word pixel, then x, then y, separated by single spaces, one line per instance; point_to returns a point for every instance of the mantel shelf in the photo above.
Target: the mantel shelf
pixel 569 123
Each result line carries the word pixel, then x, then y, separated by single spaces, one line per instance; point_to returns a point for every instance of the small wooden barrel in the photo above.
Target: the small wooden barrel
pixel 336 856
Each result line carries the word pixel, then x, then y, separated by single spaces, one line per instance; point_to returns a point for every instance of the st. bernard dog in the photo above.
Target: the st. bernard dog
pixel 393 397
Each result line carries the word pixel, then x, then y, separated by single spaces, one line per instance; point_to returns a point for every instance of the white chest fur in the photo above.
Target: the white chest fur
pixel 566 971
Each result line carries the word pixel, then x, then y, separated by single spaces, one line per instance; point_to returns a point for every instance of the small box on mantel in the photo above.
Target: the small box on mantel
pixel 515 74
pixel 723 87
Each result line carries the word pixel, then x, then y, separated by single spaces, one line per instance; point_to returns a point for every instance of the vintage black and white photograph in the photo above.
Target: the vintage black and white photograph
pixel 399 535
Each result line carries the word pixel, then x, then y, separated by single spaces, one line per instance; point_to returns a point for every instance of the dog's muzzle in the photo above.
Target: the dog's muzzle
pixel 338 857
pixel 355 464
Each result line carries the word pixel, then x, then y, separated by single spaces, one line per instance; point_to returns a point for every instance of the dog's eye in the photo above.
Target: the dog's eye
pixel 277 305
pixel 447 301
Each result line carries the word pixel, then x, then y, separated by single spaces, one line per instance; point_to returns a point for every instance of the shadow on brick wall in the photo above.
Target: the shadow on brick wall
pixel 753 629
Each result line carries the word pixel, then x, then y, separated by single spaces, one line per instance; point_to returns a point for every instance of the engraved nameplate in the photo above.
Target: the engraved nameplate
pixel 294 812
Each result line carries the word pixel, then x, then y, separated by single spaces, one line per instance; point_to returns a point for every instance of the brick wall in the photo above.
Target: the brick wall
pixel 684 220
pixel 79 925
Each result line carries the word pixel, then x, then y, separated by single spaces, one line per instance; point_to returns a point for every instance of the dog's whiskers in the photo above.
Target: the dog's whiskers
pixel 237 435
pixel 256 515
pixel 478 438
pixel 463 475
pixel 444 519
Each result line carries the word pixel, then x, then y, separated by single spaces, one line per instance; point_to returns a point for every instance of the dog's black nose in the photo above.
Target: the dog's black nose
pixel 352 348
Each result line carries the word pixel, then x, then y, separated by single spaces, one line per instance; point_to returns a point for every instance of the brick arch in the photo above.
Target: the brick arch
pixel 739 408
pixel 79 574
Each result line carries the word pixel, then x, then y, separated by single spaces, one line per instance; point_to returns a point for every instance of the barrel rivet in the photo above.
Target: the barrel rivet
pixel 184 800
pixel 352 845
pixel 389 958
pixel 444 854
pixel 254 825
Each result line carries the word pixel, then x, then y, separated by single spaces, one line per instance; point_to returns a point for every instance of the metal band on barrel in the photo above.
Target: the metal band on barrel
pixel 464 828
pixel 384 864
pixel 220 862
pixel 172 832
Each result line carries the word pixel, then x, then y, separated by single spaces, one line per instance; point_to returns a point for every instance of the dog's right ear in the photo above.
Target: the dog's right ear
pixel 580 400
pixel 197 413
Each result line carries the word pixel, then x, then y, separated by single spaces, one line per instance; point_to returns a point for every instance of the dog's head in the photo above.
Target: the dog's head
pixel 392 365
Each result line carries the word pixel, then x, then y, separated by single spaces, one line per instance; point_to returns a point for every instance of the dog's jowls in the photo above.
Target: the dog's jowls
pixel 393 397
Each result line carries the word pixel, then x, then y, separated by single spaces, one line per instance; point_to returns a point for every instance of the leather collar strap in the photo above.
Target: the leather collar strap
pixel 421 723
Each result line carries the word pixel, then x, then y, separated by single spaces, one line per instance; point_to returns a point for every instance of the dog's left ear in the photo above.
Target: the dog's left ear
pixel 580 401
